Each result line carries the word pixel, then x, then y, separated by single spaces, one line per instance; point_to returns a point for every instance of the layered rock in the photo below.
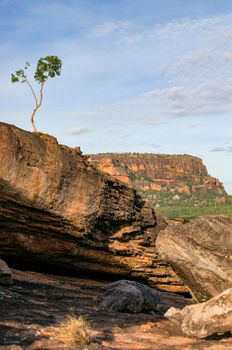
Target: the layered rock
pixel 56 210
pixel 201 254
pixel 159 172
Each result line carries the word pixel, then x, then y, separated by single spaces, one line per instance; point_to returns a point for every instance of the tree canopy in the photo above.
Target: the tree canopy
pixel 47 67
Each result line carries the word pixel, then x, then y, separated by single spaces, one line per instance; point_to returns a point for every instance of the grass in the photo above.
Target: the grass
pixel 188 206
pixel 71 331
pixel 191 212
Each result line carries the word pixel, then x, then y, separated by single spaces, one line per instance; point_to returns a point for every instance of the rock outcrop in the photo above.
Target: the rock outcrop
pixel 159 172
pixel 202 320
pixel 201 254
pixel 58 211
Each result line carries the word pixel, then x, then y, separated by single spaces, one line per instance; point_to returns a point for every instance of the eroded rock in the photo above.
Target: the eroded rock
pixel 201 254
pixel 130 296
pixel 57 211
pixel 205 319
pixel 5 273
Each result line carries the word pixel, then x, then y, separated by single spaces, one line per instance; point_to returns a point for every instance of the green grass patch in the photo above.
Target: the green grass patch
pixel 188 206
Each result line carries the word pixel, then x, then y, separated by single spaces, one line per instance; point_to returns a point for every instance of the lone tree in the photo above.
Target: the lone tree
pixel 49 66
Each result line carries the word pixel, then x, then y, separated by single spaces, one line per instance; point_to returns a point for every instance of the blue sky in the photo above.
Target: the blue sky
pixel 138 75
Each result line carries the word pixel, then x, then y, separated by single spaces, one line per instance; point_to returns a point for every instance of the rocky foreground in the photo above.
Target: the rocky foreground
pixel 80 229
pixel 36 301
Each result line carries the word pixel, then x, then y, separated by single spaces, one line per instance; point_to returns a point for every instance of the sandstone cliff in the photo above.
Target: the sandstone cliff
pixel 57 210
pixel 159 172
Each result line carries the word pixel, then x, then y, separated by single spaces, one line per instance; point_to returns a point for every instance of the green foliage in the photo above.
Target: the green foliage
pixel 133 177
pixel 20 75
pixel 191 211
pixel 188 206
pixel 49 66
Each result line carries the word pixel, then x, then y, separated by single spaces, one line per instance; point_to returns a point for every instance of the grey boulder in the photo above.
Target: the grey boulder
pixel 130 296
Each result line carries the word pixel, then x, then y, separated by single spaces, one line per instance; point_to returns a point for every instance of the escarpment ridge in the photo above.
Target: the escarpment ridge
pixel 159 172
pixel 58 211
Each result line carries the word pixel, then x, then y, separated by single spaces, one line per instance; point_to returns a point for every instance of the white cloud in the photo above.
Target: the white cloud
pixel 109 28
pixel 78 130
pixel 218 149
pixel 222 149
pixel 208 98
pixel 210 28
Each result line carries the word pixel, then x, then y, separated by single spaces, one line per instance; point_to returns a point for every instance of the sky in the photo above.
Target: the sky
pixel 149 76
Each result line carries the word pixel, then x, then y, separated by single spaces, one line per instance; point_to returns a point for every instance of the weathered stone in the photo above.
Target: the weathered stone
pixel 201 254
pixel 5 273
pixel 57 211
pixel 130 296
pixel 159 172
pixel 205 319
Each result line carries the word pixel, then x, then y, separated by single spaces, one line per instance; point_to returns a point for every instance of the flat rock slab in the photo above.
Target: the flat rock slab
pixel 201 254
pixel 36 301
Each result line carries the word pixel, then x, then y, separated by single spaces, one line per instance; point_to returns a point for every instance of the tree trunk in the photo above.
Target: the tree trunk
pixel 32 119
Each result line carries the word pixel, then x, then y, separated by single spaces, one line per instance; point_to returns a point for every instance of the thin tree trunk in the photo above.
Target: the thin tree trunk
pixel 37 104
pixel 32 119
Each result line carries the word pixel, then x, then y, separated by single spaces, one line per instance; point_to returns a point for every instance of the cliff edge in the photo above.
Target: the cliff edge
pixel 58 211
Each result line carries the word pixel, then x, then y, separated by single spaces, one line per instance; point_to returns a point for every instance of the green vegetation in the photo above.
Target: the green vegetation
pixel 47 67
pixel 188 206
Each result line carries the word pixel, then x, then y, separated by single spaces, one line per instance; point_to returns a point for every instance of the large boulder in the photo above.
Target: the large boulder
pixel 58 212
pixel 205 319
pixel 201 254
pixel 130 296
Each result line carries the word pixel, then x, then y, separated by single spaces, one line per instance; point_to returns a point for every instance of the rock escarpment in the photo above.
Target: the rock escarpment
pixel 159 172
pixel 201 253
pixel 56 210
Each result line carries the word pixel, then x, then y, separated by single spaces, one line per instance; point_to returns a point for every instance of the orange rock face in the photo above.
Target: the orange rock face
pixel 159 172
pixel 56 209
